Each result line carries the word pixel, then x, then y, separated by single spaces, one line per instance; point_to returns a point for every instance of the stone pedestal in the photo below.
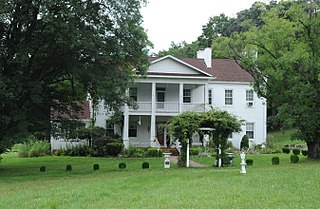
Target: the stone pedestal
pixel 166 163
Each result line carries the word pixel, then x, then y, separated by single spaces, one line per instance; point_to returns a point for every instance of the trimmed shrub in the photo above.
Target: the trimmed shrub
pixel 275 160
pixel 43 169
pixel 294 158
pixel 286 150
pixel 244 142
pixel 195 150
pixel 96 167
pixel 296 151
pixel 114 149
pixel 304 152
pixel 145 165
pixel 134 152
pixel 122 165
pixel 154 152
pixel 68 168
pixel 249 162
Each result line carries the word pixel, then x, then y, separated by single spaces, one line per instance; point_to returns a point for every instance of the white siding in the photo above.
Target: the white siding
pixel 171 66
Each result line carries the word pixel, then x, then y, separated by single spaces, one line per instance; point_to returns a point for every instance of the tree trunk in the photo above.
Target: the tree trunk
pixel 314 149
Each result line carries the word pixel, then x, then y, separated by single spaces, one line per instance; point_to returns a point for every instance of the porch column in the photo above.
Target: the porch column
pixel 125 135
pixel 206 97
pixel 153 115
pixel 180 97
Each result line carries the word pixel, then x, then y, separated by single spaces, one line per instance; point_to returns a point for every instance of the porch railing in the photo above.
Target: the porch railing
pixel 195 107
pixel 169 107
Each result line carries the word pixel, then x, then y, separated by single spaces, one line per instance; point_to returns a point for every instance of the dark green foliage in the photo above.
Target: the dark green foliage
pixel 249 162
pixel 154 152
pixel 304 152
pixel 145 165
pixel 43 169
pixel 134 152
pixel 96 167
pixel 275 160
pixel 294 158
pixel 68 168
pixel 58 52
pixel 296 151
pixel 114 149
pixel 286 150
pixel 122 165
pixel 244 142
pixel 195 150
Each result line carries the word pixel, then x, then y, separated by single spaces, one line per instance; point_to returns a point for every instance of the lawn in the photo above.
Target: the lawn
pixel 287 185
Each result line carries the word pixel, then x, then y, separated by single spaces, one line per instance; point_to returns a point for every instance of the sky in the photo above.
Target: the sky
pixel 181 20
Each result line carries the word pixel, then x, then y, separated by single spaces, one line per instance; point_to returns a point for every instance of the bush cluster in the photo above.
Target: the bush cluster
pixel 249 162
pixel 145 165
pixel 304 152
pixel 195 151
pixel 296 151
pixel 33 148
pixel 122 165
pixel 286 150
pixel 134 152
pixel 154 152
pixel 80 150
pixel 275 160
pixel 294 158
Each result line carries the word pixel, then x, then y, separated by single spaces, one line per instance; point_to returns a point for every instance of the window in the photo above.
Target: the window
pixel 186 95
pixel 250 130
pixel 134 93
pixel 210 96
pixel 109 128
pixel 230 136
pixel 249 95
pixel 133 130
pixel 228 97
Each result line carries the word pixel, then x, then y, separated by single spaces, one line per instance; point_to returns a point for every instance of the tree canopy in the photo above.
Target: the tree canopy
pixel 53 53
pixel 286 68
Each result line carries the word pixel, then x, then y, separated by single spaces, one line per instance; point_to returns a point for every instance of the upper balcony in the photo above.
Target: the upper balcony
pixel 168 98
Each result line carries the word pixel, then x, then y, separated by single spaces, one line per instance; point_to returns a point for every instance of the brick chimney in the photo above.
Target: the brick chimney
pixel 205 54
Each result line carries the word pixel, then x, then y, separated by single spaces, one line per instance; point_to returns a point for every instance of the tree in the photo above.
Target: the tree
pixel 184 125
pixel 52 53
pixel 286 70
pixel 181 50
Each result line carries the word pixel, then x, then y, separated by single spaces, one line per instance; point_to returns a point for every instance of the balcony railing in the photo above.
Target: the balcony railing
pixel 169 107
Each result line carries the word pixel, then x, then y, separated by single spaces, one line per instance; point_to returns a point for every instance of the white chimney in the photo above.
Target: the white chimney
pixel 206 55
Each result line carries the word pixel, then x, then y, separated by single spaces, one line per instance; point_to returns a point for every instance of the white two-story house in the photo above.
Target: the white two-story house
pixel 174 85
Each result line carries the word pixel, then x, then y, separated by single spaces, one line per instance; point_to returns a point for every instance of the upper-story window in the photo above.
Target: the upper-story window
pixel 228 97
pixel 249 95
pixel 134 93
pixel 250 130
pixel 186 95
pixel 210 96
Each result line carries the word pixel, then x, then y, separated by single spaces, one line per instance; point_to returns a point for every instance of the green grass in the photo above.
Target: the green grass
pixel 287 185
pixel 281 138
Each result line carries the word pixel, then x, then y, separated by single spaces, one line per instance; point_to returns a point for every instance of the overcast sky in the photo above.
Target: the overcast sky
pixel 182 20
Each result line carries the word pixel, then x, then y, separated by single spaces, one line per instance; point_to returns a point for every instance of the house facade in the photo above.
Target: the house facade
pixel 174 85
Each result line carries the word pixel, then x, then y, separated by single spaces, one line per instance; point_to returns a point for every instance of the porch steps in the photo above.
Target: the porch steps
pixel 174 151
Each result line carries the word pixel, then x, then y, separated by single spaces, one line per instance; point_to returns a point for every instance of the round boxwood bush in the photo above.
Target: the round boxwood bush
pixel 145 165
pixel 249 162
pixel 43 169
pixel 304 152
pixel 286 150
pixel 275 160
pixel 296 151
pixel 122 165
pixel 68 168
pixel 294 158
pixel 96 167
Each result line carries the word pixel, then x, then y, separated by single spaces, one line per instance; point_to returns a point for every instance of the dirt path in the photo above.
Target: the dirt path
pixel 174 159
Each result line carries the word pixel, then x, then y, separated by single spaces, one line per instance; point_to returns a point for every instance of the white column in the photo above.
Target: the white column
pixel 188 158
pixel 206 97
pixel 125 135
pixel 153 115
pixel 180 97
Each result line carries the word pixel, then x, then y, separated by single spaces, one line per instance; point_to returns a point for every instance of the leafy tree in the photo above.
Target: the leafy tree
pixel 181 50
pixel 286 70
pixel 182 127
pixel 185 124
pixel 53 52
